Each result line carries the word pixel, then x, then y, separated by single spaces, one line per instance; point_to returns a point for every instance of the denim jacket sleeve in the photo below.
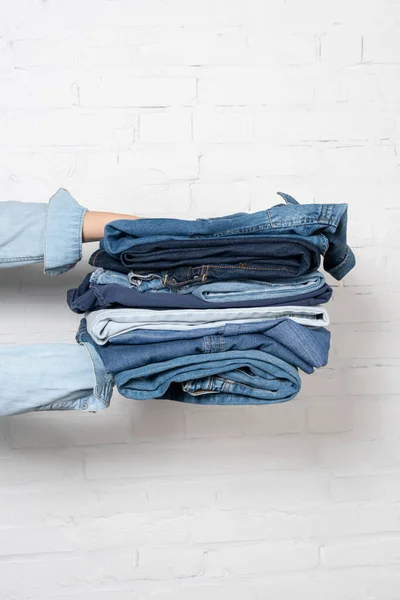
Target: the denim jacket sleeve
pixel 34 232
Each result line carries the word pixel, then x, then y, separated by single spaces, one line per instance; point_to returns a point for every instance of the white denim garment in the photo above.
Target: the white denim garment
pixel 47 376
pixel 102 325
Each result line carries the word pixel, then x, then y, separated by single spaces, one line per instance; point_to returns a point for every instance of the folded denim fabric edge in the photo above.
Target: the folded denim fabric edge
pixel 344 267
pixel 98 322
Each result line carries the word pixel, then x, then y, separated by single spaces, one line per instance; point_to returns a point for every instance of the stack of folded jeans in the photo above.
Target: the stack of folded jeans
pixel 214 311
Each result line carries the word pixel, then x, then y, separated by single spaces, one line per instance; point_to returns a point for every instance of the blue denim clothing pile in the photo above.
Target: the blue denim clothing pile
pixel 323 226
pixel 237 363
pixel 214 311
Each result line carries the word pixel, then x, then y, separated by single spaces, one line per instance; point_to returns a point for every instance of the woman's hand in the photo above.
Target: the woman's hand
pixel 94 223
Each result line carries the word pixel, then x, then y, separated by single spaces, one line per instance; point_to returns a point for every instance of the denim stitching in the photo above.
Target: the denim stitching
pixel 285 224
pixel 240 230
pixel 207 267
pixel 205 275
pixel 96 257
pixel 241 384
pixel 22 258
pixel 100 296
pixel 341 264
pixel 289 269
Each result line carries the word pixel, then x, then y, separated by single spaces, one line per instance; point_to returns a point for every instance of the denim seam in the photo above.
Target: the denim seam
pixel 235 231
pixel 226 387
pixel 80 306
pixel 325 246
pixel 232 383
pixel 208 267
pixel 62 405
pixel 344 261
pixel 325 218
pixel 243 268
pixel 285 224
pixel 100 297
pixel 94 264
pixel 119 279
pixel 225 382
pixel 22 258
pixel 230 386
pixel 195 392
pixel 326 212
pixel 341 264
pixel 205 275
pixel 206 389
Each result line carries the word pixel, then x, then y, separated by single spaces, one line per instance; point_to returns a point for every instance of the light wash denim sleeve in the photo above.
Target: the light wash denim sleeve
pixel 49 233
pixel 48 376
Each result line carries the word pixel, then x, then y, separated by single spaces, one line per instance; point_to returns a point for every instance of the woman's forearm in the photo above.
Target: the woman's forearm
pixel 94 223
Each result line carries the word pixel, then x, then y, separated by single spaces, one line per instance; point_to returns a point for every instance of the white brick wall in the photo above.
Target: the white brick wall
pixel 190 109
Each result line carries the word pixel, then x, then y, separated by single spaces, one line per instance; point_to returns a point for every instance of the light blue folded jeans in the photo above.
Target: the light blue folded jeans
pixel 103 325
pixel 218 291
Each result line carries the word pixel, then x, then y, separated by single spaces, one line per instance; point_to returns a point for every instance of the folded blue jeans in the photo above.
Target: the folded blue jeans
pixel 322 225
pixel 307 290
pixel 104 325
pixel 300 346
pixel 246 368
pixel 192 261
pixel 277 257
pixel 90 295
pixel 152 336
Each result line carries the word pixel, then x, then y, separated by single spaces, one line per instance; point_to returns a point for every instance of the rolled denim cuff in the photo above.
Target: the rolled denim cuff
pixel 345 265
pixel 63 233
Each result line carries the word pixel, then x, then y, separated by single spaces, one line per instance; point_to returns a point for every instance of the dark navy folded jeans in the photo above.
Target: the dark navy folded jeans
pixel 257 367
pixel 276 252
pixel 92 296
pixel 324 226
pixel 188 261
